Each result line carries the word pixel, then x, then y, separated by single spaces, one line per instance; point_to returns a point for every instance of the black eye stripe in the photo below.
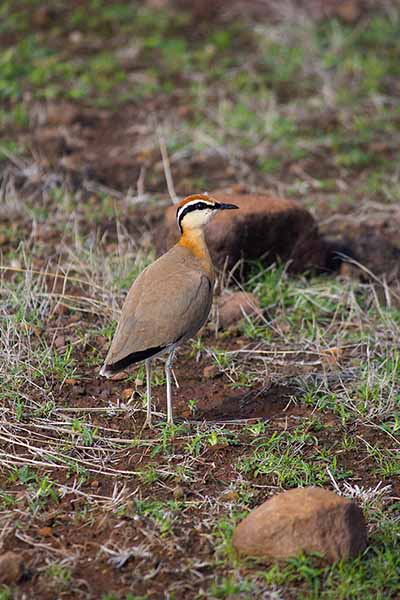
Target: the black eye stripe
pixel 191 208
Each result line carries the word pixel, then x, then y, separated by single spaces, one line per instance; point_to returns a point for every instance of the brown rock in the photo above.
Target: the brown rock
pixel 45 531
pixel 59 342
pixel 60 309
pixel 119 376
pixel 127 393
pixel 200 9
pixel 41 17
pixel 375 247
pixel 230 496
pixel 265 227
pixel 303 520
pixel 11 568
pixel 101 341
pixel 178 492
pixel 234 307
pixel 349 10
pixel 62 113
pixel 211 372
pixel 71 162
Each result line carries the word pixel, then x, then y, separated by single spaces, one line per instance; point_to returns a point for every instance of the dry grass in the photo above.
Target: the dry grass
pixel 332 342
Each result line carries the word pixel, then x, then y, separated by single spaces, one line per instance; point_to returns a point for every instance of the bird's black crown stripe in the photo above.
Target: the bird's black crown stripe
pixel 190 207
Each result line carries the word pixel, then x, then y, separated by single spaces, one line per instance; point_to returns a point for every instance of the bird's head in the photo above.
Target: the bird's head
pixel 195 211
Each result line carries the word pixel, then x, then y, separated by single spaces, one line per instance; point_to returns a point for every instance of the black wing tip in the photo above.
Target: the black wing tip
pixel 129 360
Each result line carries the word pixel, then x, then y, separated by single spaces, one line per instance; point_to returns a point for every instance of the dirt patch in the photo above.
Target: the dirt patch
pixel 253 404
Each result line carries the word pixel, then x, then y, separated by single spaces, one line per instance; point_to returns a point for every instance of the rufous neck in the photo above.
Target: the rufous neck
pixel 194 241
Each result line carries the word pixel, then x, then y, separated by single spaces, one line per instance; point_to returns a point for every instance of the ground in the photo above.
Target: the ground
pixel 100 102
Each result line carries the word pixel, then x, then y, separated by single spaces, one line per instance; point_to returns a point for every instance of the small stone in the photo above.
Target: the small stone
pixel 59 342
pixel 230 496
pixel 211 372
pixel 37 331
pixel 62 113
pixel 11 568
pixel 178 492
pixel 60 309
pixel 332 355
pixel 349 271
pixel 71 162
pixel 41 17
pixel 71 381
pixel 303 520
pixel 349 10
pixel 127 393
pixel 101 341
pixel 45 531
pixel 119 376
pixel 15 264
pixel 76 37
pixel 234 307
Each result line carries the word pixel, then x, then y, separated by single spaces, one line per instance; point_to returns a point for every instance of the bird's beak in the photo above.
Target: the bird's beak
pixel 222 206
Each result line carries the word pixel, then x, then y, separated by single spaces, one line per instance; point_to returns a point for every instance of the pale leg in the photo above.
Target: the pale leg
pixel 169 392
pixel 148 393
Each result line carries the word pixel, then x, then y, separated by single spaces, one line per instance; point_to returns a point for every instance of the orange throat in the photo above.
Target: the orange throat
pixel 194 241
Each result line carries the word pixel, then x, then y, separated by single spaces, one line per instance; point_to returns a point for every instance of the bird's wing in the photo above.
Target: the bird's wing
pixel 163 306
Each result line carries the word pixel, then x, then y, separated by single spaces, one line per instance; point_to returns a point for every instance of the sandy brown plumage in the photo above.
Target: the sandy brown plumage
pixel 168 303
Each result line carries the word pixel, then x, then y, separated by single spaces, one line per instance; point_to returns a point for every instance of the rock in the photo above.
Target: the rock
pixel 266 227
pixel 59 342
pixel 42 16
pixel 60 309
pixel 119 376
pixel 211 372
pixel 101 341
pixel 376 249
pixel 303 520
pixel 62 113
pixel 45 531
pixel 11 568
pixel 349 10
pixel 178 492
pixel 230 496
pixel 234 307
pixel 200 9
pixel 126 394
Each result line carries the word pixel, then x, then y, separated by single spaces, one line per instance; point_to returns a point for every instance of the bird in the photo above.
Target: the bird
pixel 170 300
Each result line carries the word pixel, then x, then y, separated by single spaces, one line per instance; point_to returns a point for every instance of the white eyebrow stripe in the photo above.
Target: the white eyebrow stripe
pixel 192 203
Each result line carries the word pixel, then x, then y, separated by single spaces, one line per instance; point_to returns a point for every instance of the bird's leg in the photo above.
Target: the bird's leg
pixel 169 393
pixel 147 423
